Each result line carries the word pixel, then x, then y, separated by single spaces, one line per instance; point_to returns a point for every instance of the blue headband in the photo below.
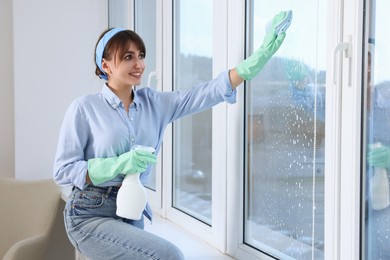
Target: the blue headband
pixel 100 49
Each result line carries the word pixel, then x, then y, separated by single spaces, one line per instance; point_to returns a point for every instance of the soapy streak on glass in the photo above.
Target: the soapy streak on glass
pixel 285 137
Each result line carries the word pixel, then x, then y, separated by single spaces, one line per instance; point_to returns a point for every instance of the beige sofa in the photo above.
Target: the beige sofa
pixel 27 213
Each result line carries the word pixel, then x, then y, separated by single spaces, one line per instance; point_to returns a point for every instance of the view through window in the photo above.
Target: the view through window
pixel 285 134
pixel 193 44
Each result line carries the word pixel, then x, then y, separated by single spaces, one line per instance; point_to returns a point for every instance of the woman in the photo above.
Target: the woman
pixel 94 149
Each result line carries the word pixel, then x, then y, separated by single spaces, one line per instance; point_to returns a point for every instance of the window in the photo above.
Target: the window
pixel 146 26
pixel 142 16
pixel 285 137
pixel 376 216
pixel 193 135
pixel 264 195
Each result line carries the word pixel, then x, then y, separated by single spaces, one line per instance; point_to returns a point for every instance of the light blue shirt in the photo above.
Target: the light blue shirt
pixel 98 126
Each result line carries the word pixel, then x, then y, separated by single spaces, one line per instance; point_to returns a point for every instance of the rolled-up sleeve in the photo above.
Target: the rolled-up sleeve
pixel 225 87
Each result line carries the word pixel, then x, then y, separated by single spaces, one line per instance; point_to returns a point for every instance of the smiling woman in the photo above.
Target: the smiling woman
pixel 120 61
pixel 95 148
pixel 95 144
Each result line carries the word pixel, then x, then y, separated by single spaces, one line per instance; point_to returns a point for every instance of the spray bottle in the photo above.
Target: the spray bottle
pixel 380 193
pixel 132 197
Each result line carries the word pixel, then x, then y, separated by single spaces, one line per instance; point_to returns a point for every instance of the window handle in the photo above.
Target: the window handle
pixel 150 76
pixel 342 47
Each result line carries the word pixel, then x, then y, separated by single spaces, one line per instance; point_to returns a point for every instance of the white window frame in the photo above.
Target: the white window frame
pixel 343 133
pixel 235 144
pixel 155 196
pixel 350 161
pixel 122 14
pixel 216 233
pixel 342 158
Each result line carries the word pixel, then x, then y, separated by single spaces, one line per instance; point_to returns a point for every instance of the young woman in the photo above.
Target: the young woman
pixel 94 149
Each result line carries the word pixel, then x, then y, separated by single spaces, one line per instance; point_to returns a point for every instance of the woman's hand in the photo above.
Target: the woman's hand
pixel 379 156
pixel 274 38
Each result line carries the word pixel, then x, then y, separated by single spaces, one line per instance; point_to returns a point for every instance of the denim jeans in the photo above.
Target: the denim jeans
pixel 98 233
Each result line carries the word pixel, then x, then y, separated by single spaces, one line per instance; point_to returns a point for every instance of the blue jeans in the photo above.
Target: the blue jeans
pixel 98 233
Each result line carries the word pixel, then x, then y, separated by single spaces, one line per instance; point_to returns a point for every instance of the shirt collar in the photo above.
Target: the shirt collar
pixel 113 99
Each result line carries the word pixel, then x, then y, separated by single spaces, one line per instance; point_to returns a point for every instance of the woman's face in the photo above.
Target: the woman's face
pixel 128 69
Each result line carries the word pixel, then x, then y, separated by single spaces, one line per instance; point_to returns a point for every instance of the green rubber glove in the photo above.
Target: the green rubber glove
pixel 296 71
pixel 274 38
pixel 379 156
pixel 104 169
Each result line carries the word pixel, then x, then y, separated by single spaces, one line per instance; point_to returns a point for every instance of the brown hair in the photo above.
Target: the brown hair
pixel 118 45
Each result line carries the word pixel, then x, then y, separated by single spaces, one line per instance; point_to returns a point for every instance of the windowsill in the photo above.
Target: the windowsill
pixel 191 246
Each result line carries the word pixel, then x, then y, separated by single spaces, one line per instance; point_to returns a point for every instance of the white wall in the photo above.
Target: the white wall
pixel 7 150
pixel 53 64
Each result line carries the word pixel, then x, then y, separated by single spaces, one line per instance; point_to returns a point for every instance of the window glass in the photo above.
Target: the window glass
pixel 192 135
pixel 118 13
pixel 377 124
pixel 285 134
pixel 145 26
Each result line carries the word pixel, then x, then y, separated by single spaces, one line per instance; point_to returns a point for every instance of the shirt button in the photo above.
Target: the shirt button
pixel 114 106
pixel 132 139
pixel 131 118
